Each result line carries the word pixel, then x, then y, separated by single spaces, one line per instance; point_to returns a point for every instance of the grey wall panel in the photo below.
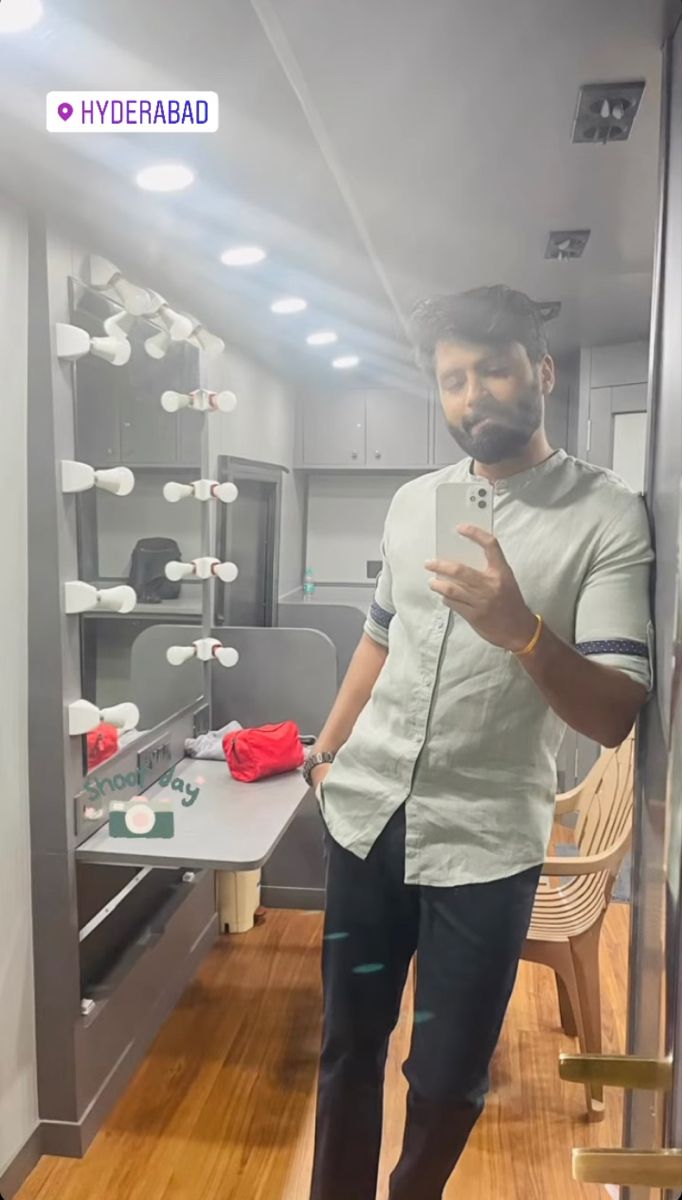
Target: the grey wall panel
pixel 57 982
pixel 614 365
pixel 54 678
pixel 296 871
pixel 342 623
pixel 283 674
pixel 18 1089
pixel 657 822
pixel 22 1164
pixel 307 899
pixel 667 440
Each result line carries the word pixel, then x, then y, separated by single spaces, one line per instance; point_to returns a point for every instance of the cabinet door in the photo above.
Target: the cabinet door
pixel 446 449
pixel 397 429
pixel 334 429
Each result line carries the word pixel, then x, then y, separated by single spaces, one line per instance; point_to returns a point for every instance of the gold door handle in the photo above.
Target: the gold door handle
pixel 629 1168
pixel 618 1070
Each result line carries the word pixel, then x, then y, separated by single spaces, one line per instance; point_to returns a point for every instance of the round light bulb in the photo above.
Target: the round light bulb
pixel 173 401
pixel 165 177
pixel 224 401
pixel 243 256
pixel 345 362
pixel 16 16
pixel 289 305
pixel 227 571
pixel 227 492
pixel 323 338
pixel 227 656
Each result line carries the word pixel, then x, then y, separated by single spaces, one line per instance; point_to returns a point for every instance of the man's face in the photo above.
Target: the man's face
pixel 492 397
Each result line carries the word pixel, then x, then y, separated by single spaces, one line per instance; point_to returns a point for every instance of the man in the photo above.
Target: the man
pixel 444 735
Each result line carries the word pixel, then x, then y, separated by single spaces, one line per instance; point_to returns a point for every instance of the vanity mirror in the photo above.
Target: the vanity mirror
pixel 127 530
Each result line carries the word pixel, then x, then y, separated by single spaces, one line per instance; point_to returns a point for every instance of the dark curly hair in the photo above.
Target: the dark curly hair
pixel 487 316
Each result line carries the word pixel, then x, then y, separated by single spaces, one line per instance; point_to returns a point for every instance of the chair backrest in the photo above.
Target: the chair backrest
pixel 606 804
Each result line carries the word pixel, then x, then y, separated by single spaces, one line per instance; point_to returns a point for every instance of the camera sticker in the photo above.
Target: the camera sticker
pixel 142 817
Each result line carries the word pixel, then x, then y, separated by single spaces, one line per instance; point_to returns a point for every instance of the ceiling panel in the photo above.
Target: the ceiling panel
pixel 379 150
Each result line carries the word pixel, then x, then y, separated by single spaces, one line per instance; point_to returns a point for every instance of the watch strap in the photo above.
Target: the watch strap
pixel 316 760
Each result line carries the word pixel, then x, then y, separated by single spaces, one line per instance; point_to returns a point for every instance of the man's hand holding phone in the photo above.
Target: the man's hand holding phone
pixel 490 600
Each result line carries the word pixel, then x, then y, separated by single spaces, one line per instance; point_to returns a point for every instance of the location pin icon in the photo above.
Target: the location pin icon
pixel 65 110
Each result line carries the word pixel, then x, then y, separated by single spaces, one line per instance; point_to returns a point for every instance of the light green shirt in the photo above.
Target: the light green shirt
pixel 455 729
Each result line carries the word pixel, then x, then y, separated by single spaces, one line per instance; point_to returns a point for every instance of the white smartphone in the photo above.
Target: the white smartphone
pixel 466 503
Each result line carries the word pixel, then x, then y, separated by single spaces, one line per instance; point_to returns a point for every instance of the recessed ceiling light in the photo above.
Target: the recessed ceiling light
pixel 243 256
pixel 324 338
pixel 165 177
pixel 345 362
pixel 289 304
pixel 18 15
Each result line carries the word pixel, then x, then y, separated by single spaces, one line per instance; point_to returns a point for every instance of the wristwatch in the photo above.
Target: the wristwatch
pixel 316 760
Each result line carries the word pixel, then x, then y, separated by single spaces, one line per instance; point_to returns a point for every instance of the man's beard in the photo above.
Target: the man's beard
pixel 505 434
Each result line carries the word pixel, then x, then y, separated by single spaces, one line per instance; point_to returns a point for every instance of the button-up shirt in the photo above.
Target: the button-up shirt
pixel 455 729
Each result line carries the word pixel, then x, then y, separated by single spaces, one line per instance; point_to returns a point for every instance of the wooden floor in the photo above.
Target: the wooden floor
pixel 222 1107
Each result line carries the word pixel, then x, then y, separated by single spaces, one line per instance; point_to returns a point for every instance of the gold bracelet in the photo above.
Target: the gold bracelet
pixel 534 640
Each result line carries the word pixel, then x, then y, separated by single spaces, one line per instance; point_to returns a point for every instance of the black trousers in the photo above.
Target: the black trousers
pixel 469 939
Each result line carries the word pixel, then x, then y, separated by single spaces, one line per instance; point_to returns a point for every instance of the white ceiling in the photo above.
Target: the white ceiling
pixel 380 150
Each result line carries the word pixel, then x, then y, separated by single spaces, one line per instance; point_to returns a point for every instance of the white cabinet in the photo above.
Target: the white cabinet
pixel 334 429
pixel 377 428
pixel 397 429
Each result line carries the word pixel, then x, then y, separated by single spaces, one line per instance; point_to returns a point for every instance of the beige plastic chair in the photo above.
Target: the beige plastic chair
pixel 574 894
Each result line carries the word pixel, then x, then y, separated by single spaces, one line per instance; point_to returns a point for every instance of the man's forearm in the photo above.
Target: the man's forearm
pixel 593 699
pixel 356 689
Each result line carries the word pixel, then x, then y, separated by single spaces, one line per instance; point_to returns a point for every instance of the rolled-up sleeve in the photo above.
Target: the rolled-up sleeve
pixel 613 617
pixel 382 609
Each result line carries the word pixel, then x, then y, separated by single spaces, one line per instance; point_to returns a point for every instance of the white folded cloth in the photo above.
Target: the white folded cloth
pixel 210 745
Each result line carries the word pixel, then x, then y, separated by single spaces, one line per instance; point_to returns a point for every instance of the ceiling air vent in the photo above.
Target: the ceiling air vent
pixel 567 243
pixel 549 309
pixel 606 111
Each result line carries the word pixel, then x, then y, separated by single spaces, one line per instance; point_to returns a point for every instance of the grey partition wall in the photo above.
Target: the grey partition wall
pixel 282 674
pixel 156 686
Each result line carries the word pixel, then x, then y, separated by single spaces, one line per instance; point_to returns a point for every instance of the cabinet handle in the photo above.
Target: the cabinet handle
pixel 377 453
pixel 354 454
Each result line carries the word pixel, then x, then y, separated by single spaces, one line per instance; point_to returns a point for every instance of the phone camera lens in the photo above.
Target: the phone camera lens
pixel 482 493
pixel 482 504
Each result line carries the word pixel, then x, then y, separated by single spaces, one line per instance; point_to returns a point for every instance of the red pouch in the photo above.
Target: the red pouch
pixel 269 750
pixel 102 744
